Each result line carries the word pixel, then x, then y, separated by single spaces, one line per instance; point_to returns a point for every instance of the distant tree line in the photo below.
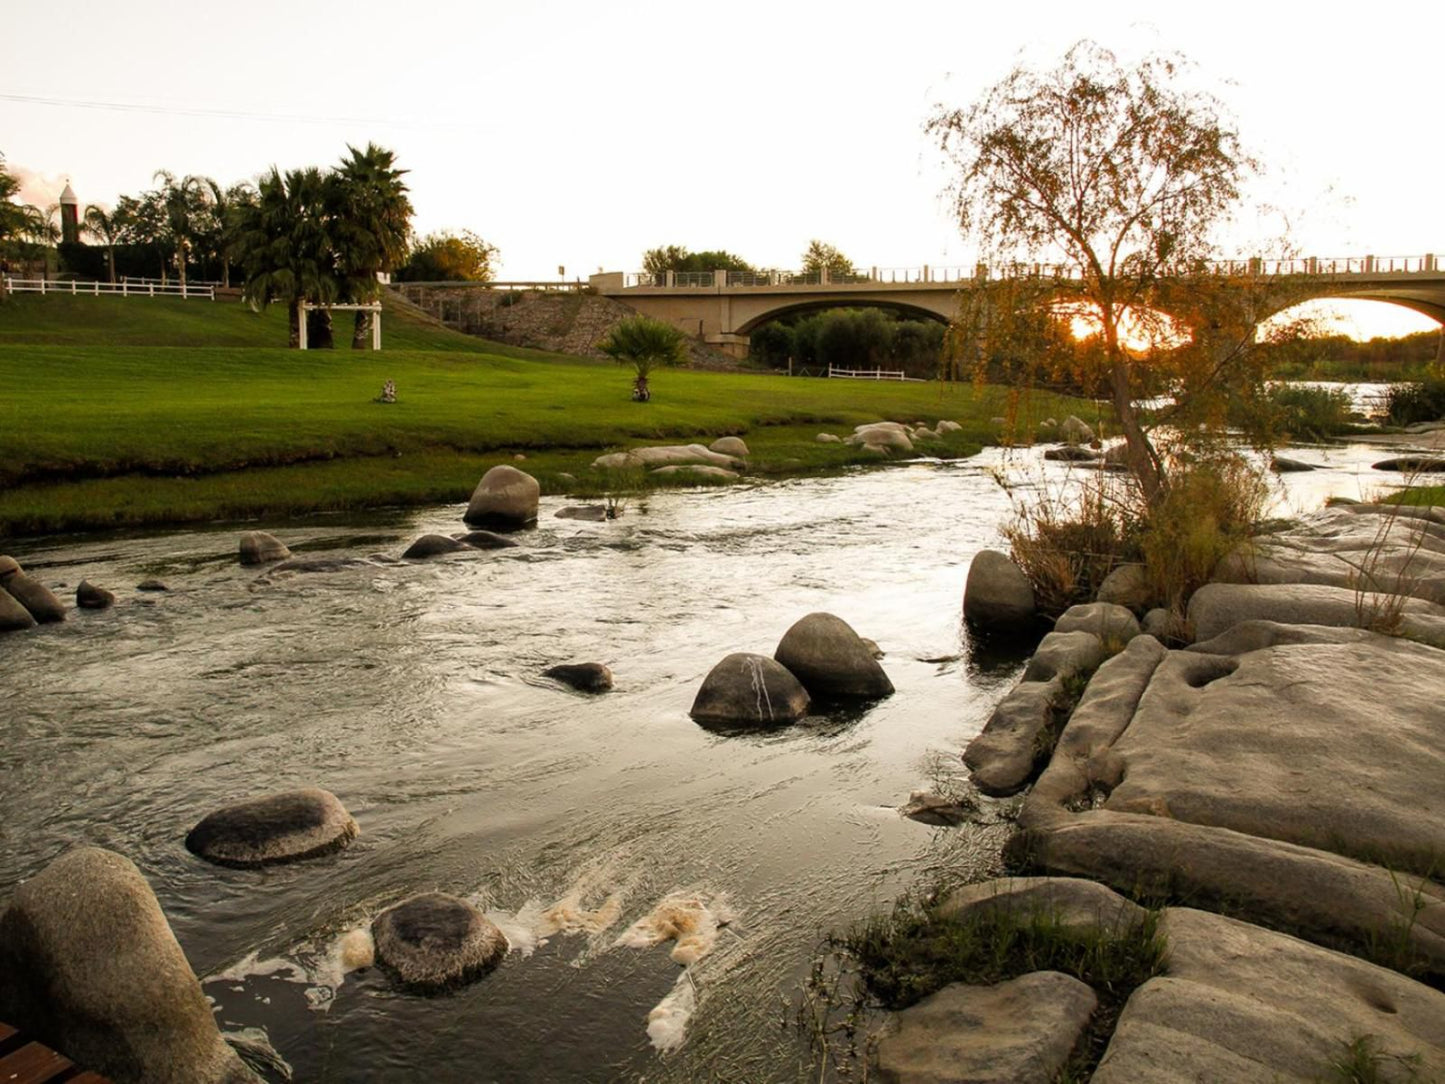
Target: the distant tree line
pixel 817 256
pixel 851 339
pixel 1340 357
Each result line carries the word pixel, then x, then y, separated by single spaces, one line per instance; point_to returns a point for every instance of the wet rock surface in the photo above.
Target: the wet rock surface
pixel 586 677
pixel 747 689
pixel 435 942
pixel 89 966
pixel 260 548
pixel 831 660
pixel 13 616
pixel 998 595
pixel 273 829
pixel 434 545
pixel 505 497
pixel 90 597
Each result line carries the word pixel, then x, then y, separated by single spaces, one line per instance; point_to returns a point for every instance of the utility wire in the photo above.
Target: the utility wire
pixel 226 114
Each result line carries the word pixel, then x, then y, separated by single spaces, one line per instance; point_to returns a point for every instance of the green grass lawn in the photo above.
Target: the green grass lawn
pixel 133 411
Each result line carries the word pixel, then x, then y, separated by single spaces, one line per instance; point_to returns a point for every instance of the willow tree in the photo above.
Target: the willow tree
pixel 1103 185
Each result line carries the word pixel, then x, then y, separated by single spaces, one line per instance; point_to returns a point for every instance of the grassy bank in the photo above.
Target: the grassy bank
pixel 127 412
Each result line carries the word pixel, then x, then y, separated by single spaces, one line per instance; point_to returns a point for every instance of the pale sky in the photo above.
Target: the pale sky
pixel 581 134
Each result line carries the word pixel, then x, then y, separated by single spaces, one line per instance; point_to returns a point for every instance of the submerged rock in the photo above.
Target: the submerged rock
pixel 434 545
pixel 1411 464
pixel 486 540
pixel 273 829
pixel 1021 1031
pixel 504 497
pixel 89 965
pixel 750 689
pixel 1072 453
pixel 435 942
pixel 90 597
pixel 260 548
pixel 151 585
pixel 592 513
pixel 699 470
pixel 1282 465
pixel 998 596
pixel 586 677
pixel 831 660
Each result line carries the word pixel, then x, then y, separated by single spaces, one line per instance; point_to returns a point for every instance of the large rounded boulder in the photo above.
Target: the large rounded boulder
pixel 831 660
pixel 435 942
pixel 38 600
pixel 746 689
pixel 89 965
pixel 733 446
pixel 505 497
pixel 13 616
pixel 998 596
pixel 272 829
pixel 260 548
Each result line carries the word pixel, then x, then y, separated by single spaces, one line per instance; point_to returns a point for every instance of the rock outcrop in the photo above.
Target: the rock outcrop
pixel 745 689
pixel 13 616
pixel 831 660
pixel 505 497
pixel 1021 1031
pixel 435 942
pixel 88 965
pixel 273 829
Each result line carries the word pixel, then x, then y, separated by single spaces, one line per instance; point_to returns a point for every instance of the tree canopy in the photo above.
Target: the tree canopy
pixel 820 256
pixel 657 261
pixel 448 256
pixel 1115 178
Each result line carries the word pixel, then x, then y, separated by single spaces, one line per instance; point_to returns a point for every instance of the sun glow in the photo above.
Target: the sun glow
pixel 1140 331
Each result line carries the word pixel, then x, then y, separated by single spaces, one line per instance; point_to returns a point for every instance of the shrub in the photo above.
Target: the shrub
pixel 643 343
pixel 1422 401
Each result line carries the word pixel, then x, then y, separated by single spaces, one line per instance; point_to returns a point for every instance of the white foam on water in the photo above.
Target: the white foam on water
pixel 591 905
pixel 667 1022
pixel 321 970
pixel 687 918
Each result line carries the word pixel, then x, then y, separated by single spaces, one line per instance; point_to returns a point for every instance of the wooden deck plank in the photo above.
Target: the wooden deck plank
pixel 33 1064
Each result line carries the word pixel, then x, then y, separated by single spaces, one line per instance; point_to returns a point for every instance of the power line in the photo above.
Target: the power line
pixel 222 114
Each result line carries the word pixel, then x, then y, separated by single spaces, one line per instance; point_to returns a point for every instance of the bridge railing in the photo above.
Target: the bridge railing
pixel 930 275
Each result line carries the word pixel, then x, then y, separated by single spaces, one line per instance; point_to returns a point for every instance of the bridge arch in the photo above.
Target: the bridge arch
pixel 801 308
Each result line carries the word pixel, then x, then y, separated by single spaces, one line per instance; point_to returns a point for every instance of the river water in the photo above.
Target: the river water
pixel 411 690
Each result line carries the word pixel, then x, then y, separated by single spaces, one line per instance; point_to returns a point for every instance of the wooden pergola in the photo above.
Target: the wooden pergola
pixel 374 308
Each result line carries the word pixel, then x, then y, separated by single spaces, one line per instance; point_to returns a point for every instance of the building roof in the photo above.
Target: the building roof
pixel 68 196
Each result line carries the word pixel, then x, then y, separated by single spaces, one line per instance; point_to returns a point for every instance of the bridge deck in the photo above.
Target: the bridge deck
pixel 25 1061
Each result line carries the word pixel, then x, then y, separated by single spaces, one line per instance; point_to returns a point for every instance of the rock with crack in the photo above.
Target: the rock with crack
pixel 745 689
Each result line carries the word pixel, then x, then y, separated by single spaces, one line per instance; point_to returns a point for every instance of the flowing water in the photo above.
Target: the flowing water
pixel 590 828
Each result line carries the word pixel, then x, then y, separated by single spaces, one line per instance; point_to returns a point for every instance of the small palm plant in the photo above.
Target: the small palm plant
pixel 642 342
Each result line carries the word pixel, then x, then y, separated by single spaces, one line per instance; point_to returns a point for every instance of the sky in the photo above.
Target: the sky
pixel 578 135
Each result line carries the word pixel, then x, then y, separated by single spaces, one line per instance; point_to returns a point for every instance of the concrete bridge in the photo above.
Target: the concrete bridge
pixel 723 307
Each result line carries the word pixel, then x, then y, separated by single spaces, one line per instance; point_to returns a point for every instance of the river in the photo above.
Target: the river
pixel 411 690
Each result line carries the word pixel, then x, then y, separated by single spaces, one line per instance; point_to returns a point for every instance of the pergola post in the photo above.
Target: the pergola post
pixel 301 336
pixel 376 329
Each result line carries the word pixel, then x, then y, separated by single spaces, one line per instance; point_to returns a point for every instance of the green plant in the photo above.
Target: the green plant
pixel 644 343
pixel 919 948
pixel 1294 411
pixel 1416 401
pixel 1363 1062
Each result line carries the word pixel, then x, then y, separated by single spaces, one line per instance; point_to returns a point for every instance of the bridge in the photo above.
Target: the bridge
pixel 723 307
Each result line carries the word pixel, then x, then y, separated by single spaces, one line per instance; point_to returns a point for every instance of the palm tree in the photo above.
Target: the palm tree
pixel 373 216
pixel 643 343
pixel 105 226
pixel 285 244
pixel 184 202
pixel 227 207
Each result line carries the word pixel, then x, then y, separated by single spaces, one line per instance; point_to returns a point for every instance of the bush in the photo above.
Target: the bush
pixel 1295 412
pixel 1422 401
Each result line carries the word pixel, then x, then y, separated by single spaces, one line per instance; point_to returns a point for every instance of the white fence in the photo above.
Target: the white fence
pixel 124 288
pixel 867 374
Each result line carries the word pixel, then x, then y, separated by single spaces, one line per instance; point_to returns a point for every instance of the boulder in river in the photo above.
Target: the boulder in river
pixel 31 593
pixel 1072 430
pixel 750 689
pixel 1072 453
pixel 486 540
pixel 13 616
pixel 1284 465
pixel 505 497
pixel 998 596
pixel 1411 464
pixel 89 965
pixel 591 513
pixel 90 597
pixel 260 548
pixel 586 677
pixel 435 942
pixel 151 585
pixel 1021 1031
pixel 434 545
pixel 276 828
pixel 831 660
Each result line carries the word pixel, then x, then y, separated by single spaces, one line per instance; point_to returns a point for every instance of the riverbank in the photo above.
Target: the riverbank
pixel 102 426
pixel 1230 832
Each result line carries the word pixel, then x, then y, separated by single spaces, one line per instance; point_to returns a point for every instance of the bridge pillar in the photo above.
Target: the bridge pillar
pixel 671 280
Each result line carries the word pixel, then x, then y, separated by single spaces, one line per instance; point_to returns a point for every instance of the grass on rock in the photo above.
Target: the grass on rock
pixel 136 411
